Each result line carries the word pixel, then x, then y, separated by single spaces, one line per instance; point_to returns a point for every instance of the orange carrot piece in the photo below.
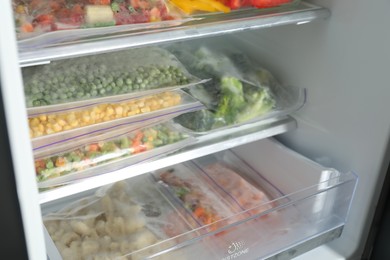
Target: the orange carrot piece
pixel 199 211
pixel 27 27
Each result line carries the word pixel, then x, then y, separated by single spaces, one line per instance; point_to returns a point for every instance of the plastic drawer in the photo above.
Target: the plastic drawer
pixel 308 201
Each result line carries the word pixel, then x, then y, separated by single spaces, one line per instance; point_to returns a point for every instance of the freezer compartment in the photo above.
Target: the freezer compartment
pixel 305 202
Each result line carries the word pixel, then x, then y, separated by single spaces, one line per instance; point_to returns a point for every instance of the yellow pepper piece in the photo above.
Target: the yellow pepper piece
pixel 183 6
pixel 189 6
pixel 201 6
pixel 217 5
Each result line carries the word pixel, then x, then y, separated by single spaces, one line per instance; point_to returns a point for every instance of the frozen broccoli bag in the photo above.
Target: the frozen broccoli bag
pixel 239 91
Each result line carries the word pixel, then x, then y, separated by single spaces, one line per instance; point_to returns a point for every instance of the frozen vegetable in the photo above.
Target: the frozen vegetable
pixel 234 96
pixel 102 75
pixel 109 225
pixel 235 4
pixel 196 197
pixel 104 151
pixel 46 124
pixel 33 17
pixel 231 184
pixel 194 6
pixel 191 6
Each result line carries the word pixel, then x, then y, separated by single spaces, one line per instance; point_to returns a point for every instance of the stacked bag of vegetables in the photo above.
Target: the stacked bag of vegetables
pixel 34 17
pixel 238 92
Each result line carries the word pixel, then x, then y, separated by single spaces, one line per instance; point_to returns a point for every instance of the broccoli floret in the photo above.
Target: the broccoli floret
pixel 259 102
pixel 232 99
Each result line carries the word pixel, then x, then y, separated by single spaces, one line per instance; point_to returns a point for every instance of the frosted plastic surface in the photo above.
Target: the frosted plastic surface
pixel 296 213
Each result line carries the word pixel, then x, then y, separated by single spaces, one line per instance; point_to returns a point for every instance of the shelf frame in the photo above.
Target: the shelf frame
pixel 209 25
pixel 205 145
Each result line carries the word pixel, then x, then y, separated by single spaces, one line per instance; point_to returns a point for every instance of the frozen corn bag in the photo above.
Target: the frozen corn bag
pixel 46 124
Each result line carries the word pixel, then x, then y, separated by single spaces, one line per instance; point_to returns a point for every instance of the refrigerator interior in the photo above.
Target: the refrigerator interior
pixel 340 61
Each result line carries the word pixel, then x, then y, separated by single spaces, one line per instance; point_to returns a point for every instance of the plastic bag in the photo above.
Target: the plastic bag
pixel 236 181
pixel 46 20
pixel 240 91
pixel 102 78
pixel 49 129
pixel 199 199
pixel 102 153
pixel 117 220
pixel 46 124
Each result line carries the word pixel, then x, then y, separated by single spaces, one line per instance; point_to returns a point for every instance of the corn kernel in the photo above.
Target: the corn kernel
pixel 110 111
pixel 61 122
pixel 34 122
pixel 86 119
pixel 43 117
pixel 119 110
pixel 145 109
pixel 49 131
pixel 57 127
pixel 38 133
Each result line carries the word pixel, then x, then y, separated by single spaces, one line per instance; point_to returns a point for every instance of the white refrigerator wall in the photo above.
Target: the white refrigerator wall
pixel 344 63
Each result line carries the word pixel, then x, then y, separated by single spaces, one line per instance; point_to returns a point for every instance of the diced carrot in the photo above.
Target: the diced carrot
pixel 77 9
pixel 138 149
pixel 138 137
pixel 54 5
pixel 35 4
pixel 27 27
pixel 60 162
pixel 93 147
pixel 199 211
pixel 100 2
pixel 136 143
pixel 44 19
pixel 40 164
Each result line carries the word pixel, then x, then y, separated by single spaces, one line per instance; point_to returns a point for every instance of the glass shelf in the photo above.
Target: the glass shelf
pixel 204 145
pixel 209 25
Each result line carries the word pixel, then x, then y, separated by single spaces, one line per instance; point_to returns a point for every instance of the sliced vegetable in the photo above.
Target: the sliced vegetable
pixel 94 154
